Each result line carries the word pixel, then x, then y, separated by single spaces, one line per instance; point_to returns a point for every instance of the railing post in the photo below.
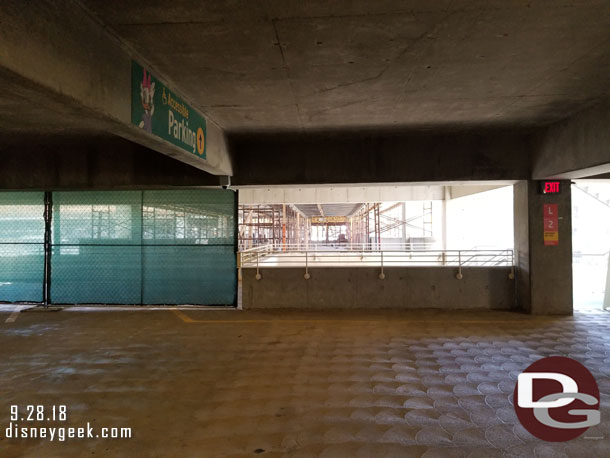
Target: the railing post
pixel 306 276
pixel 381 275
pixel 459 275
pixel 511 275
pixel 258 274
pixel 239 261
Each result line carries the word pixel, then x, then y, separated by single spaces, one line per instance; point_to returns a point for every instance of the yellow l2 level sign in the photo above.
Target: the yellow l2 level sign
pixel 551 225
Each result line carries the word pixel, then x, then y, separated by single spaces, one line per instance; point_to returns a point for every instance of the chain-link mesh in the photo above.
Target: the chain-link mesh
pixel 189 247
pixel 96 255
pixel 150 247
pixel 21 246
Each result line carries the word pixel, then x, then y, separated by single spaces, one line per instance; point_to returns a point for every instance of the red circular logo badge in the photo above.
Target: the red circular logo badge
pixel 557 399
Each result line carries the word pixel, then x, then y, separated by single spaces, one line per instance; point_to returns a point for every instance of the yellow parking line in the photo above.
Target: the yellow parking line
pixel 13 316
pixel 183 316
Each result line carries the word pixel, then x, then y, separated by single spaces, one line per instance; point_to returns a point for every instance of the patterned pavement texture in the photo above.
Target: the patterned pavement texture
pixel 294 384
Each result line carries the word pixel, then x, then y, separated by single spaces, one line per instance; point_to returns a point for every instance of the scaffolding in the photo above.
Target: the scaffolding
pixel 278 225
pixel 373 226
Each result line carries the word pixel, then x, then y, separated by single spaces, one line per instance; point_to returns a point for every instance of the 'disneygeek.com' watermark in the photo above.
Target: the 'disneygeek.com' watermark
pixel 25 424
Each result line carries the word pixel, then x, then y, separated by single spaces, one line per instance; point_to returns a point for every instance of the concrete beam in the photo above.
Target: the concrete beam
pixel 455 192
pixel 577 147
pixel 337 194
pixel 68 73
pixel 91 162
pixel 379 157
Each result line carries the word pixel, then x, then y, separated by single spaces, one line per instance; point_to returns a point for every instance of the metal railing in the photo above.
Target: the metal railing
pixel 268 256
pixel 343 246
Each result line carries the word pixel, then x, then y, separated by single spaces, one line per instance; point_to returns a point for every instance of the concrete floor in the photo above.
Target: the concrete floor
pixel 333 384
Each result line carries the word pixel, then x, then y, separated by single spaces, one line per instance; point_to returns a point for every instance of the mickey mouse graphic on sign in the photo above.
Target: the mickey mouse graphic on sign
pixel 147 96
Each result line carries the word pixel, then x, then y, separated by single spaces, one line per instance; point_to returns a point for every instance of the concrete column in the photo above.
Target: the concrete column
pixel 543 273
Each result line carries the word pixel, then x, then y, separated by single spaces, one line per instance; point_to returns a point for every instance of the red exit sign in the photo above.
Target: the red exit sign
pixel 550 187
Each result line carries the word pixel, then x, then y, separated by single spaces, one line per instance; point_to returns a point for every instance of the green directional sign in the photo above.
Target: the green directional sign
pixel 158 110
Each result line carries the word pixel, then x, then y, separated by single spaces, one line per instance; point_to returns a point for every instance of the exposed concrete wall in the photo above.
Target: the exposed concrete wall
pixel 381 157
pixel 577 147
pixel 88 162
pixel 544 273
pixel 66 65
pixel 360 287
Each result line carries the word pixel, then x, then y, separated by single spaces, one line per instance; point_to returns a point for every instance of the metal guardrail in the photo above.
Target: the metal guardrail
pixel 268 256
pixel 579 255
pixel 334 246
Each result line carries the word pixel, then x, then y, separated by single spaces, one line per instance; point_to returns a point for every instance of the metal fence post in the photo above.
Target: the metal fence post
pixel 48 216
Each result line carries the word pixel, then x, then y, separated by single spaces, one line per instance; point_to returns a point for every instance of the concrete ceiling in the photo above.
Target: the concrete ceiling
pixel 289 64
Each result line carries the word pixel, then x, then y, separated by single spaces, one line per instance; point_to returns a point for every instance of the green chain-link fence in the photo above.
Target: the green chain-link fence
pixel 138 247
pixel 21 246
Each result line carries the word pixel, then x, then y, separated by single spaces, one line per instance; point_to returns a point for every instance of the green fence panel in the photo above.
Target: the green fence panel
pixel 96 275
pixel 189 247
pixel 21 246
pixel 96 247
pixel 150 247
pixel 203 275
pixel 189 217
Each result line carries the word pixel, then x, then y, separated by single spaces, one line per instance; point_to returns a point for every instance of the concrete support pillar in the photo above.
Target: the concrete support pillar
pixel 543 272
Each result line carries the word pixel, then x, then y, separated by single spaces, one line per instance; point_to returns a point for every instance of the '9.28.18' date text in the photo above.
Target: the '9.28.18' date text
pixel 39 413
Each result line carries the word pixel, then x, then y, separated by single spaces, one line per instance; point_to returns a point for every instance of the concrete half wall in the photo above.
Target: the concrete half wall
pixel 360 287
